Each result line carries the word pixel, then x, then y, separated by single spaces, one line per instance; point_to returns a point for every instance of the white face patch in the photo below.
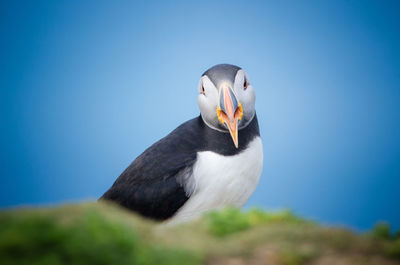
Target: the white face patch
pixel 208 102
pixel 219 181
pixel 246 96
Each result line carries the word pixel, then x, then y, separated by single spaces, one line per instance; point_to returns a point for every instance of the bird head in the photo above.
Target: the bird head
pixel 226 99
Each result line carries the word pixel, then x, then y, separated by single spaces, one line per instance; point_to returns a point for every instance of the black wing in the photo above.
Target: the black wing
pixel 154 184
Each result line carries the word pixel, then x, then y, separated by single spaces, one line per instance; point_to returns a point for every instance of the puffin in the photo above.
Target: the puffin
pixel 207 163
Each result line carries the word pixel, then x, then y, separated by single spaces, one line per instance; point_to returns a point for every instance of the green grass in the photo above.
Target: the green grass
pixel 393 249
pixel 86 238
pixel 231 220
pixel 98 233
pixel 381 230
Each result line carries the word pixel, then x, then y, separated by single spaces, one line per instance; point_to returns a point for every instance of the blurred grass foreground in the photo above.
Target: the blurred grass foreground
pixel 99 233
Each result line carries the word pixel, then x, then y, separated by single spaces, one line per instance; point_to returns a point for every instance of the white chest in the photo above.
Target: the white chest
pixel 220 181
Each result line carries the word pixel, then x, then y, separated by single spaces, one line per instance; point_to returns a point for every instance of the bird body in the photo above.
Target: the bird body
pixel 197 167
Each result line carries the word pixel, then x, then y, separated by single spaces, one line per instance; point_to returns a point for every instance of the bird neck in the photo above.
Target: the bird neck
pixel 221 142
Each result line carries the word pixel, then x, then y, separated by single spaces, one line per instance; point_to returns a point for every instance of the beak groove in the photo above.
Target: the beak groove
pixel 229 112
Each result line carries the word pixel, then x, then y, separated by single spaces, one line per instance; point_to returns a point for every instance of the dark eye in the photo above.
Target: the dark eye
pixel 202 90
pixel 245 84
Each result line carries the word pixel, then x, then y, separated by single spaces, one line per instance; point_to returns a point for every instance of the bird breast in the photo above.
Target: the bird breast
pixel 218 181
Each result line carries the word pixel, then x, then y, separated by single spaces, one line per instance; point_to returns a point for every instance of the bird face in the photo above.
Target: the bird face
pixel 226 99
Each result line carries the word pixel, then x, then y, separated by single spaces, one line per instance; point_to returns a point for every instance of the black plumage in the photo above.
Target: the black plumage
pixel 222 72
pixel 153 184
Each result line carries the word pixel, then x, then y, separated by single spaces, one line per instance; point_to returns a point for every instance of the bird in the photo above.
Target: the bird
pixel 210 162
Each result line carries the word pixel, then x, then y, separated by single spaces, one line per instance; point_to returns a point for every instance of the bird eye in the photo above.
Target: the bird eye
pixel 202 90
pixel 245 84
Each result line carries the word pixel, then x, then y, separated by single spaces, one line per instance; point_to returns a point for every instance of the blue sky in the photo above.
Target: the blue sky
pixel 86 86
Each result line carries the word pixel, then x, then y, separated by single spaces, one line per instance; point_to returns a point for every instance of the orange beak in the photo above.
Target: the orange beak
pixel 229 111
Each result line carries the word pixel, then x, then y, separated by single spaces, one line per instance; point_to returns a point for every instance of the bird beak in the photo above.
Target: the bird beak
pixel 229 111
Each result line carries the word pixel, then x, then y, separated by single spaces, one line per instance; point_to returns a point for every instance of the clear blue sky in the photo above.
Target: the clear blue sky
pixel 86 86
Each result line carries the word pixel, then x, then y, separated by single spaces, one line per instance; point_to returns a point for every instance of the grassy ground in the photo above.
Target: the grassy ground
pixel 95 233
